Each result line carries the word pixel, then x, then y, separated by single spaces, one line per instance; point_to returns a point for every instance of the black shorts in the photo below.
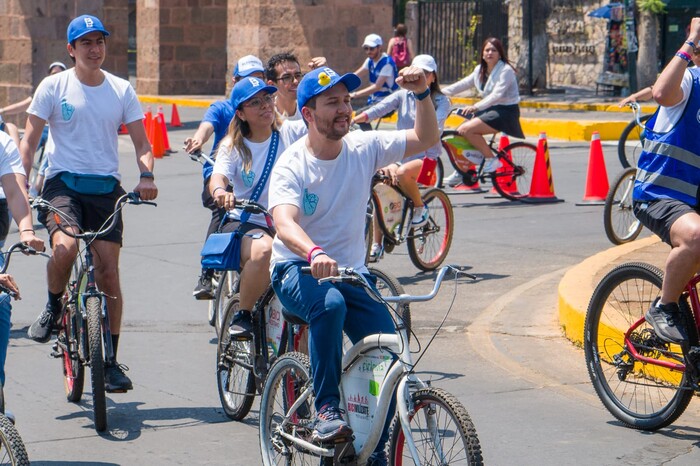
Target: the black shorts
pixel 659 215
pixel 88 210
pixel 4 219
pixel 503 118
pixel 231 225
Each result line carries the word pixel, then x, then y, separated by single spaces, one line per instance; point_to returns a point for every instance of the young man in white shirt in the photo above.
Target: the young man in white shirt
pixel 379 68
pixel 85 107
pixel 318 198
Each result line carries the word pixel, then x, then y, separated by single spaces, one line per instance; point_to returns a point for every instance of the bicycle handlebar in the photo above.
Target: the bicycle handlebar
pixel 201 157
pixel 637 111
pixel 17 247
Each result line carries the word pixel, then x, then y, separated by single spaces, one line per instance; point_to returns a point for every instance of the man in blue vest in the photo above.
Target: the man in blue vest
pixel 379 68
pixel 666 189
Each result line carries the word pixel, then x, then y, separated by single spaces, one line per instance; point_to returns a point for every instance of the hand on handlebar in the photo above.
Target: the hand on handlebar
pixel 146 189
pixel 390 171
pixel 192 145
pixel 34 242
pixel 6 281
pixel 323 266
pixel 224 199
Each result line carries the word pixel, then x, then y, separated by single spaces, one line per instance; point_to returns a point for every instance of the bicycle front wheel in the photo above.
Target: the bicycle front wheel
pixel 631 143
pixel 225 289
pixel 234 377
pixel 514 178
pixel 428 245
pixel 289 379
pixel 73 370
pixel 621 226
pixel 641 395
pixel 97 363
pixel 12 449
pixel 441 429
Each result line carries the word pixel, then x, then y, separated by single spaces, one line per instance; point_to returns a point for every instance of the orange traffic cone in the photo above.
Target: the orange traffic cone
pixel 122 129
pixel 597 177
pixel 157 138
pixel 505 182
pixel 542 184
pixel 148 123
pixel 164 131
pixel 175 117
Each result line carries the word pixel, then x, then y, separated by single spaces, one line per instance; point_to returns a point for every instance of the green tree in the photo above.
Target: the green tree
pixel 647 58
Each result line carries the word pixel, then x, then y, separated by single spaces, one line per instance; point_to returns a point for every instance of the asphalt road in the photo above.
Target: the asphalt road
pixel 500 351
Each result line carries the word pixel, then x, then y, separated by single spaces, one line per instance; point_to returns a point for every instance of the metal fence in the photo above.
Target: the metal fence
pixel 452 31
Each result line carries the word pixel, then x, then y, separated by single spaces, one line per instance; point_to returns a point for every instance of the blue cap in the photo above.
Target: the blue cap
pixel 322 79
pixel 247 88
pixel 247 66
pixel 85 24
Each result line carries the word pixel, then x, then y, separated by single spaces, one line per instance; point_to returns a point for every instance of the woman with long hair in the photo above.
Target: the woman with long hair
pixel 496 84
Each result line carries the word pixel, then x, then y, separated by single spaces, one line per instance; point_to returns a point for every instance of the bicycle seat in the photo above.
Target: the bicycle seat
pixel 293 318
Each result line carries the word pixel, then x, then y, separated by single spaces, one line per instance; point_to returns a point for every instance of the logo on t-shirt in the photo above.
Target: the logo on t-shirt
pixel 697 116
pixel 66 110
pixel 310 202
pixel 247 177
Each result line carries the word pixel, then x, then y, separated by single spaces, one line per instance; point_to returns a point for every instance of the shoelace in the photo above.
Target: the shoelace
pixel 331 413
pixel 120 367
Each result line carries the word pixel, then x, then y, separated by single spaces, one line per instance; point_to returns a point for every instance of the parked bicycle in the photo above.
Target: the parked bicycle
pixel 621 225
pixel 512 181
pixel 428 245
pixel 243 365
pixel 84 338
pixel 632 139
pixel 431 425
pixel 643 381
pixel 12 449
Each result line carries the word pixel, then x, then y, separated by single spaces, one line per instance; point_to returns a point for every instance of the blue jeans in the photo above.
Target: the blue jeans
pixel 330 309
pixel 5 316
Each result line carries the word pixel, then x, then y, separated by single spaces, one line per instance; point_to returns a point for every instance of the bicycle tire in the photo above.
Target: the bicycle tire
pixel 513 181
pixel 628 155
pixel 73 369
pixel 235 381
pixel 429 245
pixel 97 364
pixel 388 285
pixel 12 449
pixel 621 226
pixel 288 377
pixel 458 434
pixel 639 395
pixel 224 291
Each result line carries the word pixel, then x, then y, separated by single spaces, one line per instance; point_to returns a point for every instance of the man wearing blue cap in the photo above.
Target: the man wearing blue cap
pixel 318 199
pixel 85 107
pixel 216 121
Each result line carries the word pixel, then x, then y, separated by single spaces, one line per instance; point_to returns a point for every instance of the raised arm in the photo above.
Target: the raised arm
pixel 425 133
pixel 667 89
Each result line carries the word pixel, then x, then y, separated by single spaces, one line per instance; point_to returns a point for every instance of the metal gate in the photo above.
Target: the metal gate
pixel 452 31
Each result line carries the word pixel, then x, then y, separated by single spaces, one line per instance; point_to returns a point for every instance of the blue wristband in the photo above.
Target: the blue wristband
pixel 423 94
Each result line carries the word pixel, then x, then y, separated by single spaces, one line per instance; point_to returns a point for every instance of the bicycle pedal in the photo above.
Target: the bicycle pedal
pixel 56 351
pixel 345 454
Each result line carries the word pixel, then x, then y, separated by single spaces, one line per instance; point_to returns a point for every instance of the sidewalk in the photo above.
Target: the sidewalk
pixel 567 114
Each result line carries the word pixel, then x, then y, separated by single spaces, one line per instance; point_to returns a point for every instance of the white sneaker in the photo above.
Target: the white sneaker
pixel 375 252
pixel 420 217
pixel 452 180
pixel 474 157
pixel 492 164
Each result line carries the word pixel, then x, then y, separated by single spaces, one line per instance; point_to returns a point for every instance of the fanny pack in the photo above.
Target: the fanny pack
pixel 89 184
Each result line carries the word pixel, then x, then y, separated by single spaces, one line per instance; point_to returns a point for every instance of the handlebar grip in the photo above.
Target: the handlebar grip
pixel 306 269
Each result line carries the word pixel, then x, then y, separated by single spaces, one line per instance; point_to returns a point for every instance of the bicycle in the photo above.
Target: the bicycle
pixel 242 365
pixel 621 226
pixel 84 337
pixel 643 381
pixel 375 369
pixel 428 245
pixel 12 449
pixel 634 134
pixel 512 181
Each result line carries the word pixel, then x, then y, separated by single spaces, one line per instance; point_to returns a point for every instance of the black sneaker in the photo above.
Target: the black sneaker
pixel 204 289
pixel 116 380
pixel 242 326
pixel 330 427
pixel 667 322
pixel 40 331
pixel 378 458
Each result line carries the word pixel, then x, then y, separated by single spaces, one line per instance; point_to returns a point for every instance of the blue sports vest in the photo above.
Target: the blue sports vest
pixel 669 165
pixel 374 75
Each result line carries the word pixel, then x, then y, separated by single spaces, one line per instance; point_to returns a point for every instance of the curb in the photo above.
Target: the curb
pixel 576 288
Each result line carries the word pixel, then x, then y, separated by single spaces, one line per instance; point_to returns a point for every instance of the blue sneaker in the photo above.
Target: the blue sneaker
pixel 330 427
pixel 420 217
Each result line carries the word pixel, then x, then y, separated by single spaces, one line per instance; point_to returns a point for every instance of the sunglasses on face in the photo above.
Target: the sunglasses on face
pixel 259 101
pixel 290 78
pixel 368 48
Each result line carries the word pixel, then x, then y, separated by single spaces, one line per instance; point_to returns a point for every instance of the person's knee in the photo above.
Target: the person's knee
pixel 63 254
pixel 108 275
pixel 331 308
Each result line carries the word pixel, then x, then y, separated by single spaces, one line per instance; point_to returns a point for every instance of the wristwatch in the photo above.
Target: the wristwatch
pixel 147 175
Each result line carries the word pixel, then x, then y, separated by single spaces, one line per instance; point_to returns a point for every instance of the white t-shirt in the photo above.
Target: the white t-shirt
pixel 229 163
pixel 387 70
pixel 84 121
pixel 297 115
pixel 669 116
pixel 332 194
pixel 10 161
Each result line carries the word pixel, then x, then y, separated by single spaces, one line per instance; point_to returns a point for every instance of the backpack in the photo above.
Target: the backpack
pixel 399 52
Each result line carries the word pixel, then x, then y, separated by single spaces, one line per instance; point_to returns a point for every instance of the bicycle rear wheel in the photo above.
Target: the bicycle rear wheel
pixel 641 395
pixel 621 226
pixel 631 143
pixel 234 377
pixel 288 379
pixel 12 449
pixel 97 363
pixel 441 429
pixel 429 245
pixel 514 178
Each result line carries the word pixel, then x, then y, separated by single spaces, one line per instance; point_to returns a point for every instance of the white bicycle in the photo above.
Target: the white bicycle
pixel 431 426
